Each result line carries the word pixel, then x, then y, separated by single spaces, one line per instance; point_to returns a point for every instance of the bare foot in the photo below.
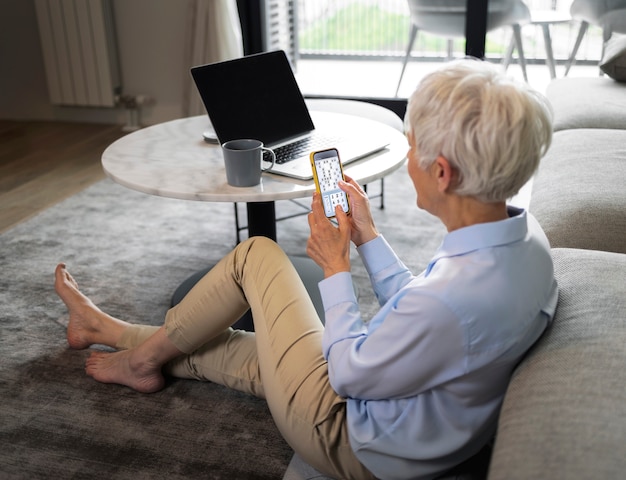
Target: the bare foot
pixel 88 324
pixel 123 368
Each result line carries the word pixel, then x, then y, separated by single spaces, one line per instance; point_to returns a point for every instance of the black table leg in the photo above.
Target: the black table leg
pixel 261 219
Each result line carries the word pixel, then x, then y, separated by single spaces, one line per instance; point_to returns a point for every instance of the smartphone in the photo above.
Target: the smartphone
pixel 327 171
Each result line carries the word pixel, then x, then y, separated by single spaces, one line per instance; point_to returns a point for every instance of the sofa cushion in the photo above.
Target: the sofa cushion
pixel 578 194
pixel 613 61
pixel 564 413
pixel 596 102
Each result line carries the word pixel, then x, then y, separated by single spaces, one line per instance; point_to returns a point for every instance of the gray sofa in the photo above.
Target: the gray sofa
pixel 564 413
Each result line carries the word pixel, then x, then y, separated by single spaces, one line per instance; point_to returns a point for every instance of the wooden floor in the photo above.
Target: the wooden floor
pixel 42 163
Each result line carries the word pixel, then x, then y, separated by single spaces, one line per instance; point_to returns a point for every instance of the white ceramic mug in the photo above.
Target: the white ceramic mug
pixel 242 159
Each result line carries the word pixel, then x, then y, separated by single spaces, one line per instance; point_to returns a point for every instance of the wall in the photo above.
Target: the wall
pixel 151 40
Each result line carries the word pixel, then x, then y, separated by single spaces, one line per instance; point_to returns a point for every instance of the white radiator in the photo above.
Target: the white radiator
pixel 79 50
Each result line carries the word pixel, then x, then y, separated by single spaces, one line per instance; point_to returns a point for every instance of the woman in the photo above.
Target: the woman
pixel 417 389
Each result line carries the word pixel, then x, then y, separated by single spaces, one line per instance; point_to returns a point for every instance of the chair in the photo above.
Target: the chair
pixel 610 15
pixel 447 18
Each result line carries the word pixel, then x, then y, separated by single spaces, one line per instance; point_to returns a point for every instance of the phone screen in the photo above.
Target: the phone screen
pixel 328 172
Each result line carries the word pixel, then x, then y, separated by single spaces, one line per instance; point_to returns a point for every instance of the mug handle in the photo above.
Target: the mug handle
pixel 273 158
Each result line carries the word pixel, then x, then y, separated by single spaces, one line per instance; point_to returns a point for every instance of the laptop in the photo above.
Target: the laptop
pixel 257 96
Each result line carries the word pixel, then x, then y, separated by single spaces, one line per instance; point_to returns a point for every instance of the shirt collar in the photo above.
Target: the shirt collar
pixel 483 235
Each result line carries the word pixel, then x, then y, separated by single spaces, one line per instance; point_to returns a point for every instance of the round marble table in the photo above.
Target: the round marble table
pixel 171 159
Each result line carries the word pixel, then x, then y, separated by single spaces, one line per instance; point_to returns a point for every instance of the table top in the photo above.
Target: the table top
pixel 171 159
pixel 548 17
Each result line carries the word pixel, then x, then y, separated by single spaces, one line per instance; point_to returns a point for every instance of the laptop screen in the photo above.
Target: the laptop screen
pixel 253 97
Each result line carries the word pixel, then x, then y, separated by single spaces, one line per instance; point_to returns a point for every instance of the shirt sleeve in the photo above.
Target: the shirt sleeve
pixel 387 273
pixel 411 344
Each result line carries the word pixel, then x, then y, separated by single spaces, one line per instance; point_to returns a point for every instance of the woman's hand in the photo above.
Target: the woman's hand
pixel 329 246
pixel 362 223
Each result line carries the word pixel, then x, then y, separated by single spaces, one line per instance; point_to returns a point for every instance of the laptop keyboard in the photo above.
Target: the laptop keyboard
pixel 296 149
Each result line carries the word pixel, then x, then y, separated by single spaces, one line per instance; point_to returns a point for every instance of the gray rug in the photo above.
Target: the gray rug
pixel 129 251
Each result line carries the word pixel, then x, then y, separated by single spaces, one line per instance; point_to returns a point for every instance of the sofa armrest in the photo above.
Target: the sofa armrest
pixel 595 102
pixel 578 194
pixel 564 413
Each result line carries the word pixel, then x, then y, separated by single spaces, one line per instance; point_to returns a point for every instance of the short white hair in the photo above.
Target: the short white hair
pixel 492 129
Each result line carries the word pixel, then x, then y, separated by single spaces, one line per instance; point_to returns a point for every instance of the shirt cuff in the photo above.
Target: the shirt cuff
pixel 337 289
pixel 377 255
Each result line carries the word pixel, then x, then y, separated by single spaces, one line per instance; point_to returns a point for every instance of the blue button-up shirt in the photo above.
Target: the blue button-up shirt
pixel 425 377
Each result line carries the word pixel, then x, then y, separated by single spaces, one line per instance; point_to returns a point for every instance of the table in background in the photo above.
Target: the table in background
pixel 545 19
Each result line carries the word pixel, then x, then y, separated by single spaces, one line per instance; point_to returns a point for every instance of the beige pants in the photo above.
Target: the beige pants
pixel 281 361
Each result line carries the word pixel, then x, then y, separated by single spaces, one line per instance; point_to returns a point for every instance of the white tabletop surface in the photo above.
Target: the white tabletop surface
pixel 171 159
pixel 538 17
